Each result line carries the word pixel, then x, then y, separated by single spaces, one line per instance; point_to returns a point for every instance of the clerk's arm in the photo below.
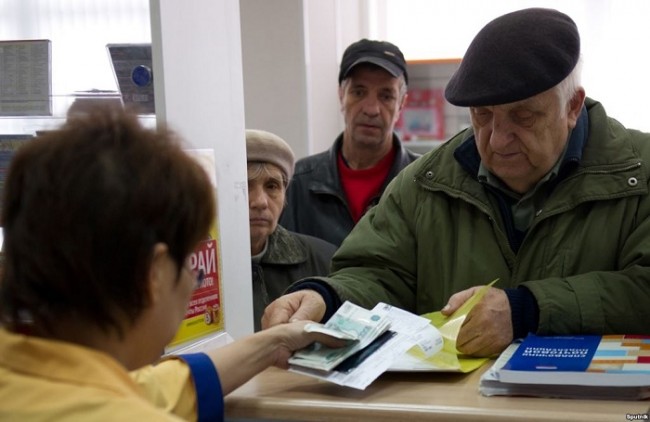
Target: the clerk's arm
pixel 239 361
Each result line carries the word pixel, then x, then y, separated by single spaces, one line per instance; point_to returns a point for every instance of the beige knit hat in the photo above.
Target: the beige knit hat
pixel 266 147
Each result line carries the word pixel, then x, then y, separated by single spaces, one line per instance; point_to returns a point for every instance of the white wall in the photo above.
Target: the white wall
pixel 322 45
pixel 274 63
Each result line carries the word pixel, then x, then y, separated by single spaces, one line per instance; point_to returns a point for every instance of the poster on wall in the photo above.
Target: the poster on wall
pixel 423 115
pixel 26 78
pixel 204 314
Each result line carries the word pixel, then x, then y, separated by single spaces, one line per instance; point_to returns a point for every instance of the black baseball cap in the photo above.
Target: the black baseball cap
pixel 514 57
pixel 381 53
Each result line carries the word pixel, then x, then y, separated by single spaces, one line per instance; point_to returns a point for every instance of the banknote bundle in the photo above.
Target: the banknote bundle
pixel 350 322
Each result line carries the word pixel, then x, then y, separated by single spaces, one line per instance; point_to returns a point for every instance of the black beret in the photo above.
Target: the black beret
pixel 380 53
pixel 514 57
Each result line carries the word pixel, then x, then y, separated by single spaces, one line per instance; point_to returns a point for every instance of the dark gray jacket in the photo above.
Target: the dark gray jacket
pixel 289 257
pixel 316 203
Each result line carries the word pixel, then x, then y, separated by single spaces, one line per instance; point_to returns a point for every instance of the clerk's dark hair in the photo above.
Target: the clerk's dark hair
pixel 83 207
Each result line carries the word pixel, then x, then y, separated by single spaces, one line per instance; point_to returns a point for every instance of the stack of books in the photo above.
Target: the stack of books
pixel 580 366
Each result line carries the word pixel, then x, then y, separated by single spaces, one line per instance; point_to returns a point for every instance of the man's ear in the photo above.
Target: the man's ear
pixel 156 274
pixel 341 94
pixel 575 106
pixel 403 102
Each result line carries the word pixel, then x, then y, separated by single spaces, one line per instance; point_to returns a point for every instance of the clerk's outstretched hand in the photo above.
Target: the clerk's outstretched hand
pixel 487 329
pixel 242 359
pixel 297 306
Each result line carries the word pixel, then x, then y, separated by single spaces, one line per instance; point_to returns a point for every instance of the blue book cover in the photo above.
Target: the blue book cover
pixel 611 360
pixel 558 353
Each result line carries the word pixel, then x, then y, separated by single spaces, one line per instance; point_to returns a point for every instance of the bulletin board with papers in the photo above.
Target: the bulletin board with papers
pixel 26 78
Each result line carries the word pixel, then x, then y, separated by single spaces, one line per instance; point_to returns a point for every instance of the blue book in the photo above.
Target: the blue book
pixel 611 360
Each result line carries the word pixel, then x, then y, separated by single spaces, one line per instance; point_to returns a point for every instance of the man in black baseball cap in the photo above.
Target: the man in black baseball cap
pixel 544 191
pixel 380 53
pixel 332 190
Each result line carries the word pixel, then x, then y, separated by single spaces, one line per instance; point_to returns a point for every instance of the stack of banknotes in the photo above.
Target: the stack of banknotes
pixel 350 322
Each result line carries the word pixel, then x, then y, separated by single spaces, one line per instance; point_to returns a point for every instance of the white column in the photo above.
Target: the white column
pixel 198 80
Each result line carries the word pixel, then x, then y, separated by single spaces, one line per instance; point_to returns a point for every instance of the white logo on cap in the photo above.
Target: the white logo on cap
pixel 389 53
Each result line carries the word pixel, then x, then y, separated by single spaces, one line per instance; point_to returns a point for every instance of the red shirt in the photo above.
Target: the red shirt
pixel 361 186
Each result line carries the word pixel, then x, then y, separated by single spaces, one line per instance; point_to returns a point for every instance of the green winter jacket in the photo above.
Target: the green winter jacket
pixel 585 258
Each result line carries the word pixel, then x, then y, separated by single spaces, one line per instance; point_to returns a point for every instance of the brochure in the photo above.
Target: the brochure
pixel 611 360
pixel 549 382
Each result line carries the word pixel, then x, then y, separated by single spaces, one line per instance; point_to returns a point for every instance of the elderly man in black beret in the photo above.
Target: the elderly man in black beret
pixel 279 257
pixel 544 191
pixel 332 190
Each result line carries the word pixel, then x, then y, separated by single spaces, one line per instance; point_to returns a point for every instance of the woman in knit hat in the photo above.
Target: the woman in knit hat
pixel 279 257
